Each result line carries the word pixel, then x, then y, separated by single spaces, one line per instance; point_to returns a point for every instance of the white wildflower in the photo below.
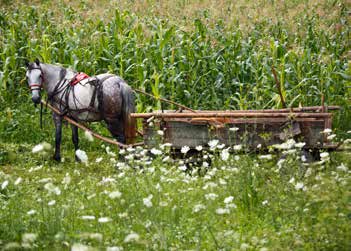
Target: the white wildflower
pixel 29 237
pixel 237 147
pixel 184 149
pixel 45 180
pixel 342 167
pixel 222 211
pixel 4 184
pixel 209 185
pixel 234 129
pixel 205 164
pixel 244 246
pixel 123 215
pixel 163 204
pixel 88 217
pixel 147 201
pixel 213 143
pixel 17 181
pixel 81 247
pixel 265 202
pixel 290 151
pixel 166 159
pixel 225 155
pixel 292 180
pixel 267 156
pixel 303 158
pixel 299 185
pixel 88 136
pixel 198 148
pixel 66 180
pixel 82 155
pixel 38 148
pixel 228 199
pixel 51 202
pixel 104 219
pixel 93 236
pixel 155 151
pixel 285 145
pixel 112 154
pixel 52 189
pixel 300 144
pixel 259 146
pixel 182 168
pixel 130 149
pixel 31 212
pixel 98 160
pixel 221 146
pixel 161 133
pixel 132 237
pixel 230 205
pixel 211 196
pixel 324 155
pixel 327 131
pixel 106 180
pixel 331 137
pixel 115 195
pixel 198 207
pixel 280 163
pixel 114 248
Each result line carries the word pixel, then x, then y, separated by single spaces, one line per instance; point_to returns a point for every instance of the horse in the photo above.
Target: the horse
pixel 105 97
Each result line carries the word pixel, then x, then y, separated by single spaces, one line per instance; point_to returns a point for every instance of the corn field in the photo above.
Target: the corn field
pixel 212 66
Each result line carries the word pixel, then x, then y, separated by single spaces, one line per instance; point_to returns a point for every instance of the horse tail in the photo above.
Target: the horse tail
pixel 128 107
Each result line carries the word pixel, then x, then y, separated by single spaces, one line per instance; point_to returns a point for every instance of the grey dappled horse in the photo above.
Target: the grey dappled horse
pixel 87 99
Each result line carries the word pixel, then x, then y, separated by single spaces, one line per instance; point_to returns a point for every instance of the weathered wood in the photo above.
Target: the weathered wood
pixel 269 129
pixel 297 109
pixel 230 114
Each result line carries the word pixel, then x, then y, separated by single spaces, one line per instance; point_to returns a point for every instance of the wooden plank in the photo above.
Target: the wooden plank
pixel 230 114
pixel 284 110
pixel 241 120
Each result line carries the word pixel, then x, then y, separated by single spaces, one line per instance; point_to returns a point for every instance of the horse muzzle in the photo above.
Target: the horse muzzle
pixel 36 99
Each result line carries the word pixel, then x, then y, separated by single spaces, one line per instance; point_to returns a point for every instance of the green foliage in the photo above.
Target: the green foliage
pixel 210 67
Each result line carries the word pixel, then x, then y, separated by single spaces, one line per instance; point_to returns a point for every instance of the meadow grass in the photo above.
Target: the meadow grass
pixel 149 202
pixel 203 54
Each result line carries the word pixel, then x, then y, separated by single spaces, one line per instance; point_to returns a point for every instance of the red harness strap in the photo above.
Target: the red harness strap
pixel 77 78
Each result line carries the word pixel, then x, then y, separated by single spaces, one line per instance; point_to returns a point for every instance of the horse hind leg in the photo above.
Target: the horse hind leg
pixel 115 126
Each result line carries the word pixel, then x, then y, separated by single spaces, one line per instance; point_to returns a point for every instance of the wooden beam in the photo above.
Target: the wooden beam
pixel 230 114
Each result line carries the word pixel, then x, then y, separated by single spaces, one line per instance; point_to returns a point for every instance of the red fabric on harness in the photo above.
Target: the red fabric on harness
pixel 77 78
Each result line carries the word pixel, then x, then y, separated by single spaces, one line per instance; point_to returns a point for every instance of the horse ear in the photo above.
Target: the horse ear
pixel 37 61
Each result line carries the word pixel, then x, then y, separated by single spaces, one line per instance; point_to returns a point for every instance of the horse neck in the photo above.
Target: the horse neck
pixel 51 76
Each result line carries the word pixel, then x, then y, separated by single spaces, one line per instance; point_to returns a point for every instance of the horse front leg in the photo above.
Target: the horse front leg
pixel 75 140
pixel 58 135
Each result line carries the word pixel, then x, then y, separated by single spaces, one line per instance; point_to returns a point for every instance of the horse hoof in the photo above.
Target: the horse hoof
pixel 77 159
pixel 57 158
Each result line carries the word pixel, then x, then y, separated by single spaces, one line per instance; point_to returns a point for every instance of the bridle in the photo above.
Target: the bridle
pixel 36 86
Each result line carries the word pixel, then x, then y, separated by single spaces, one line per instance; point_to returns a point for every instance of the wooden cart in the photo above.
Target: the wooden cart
pixel 250 128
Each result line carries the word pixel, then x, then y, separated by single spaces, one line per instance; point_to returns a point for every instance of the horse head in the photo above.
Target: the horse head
pixel 35 78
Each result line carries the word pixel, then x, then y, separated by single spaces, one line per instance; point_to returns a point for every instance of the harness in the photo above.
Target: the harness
pixel 64 87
